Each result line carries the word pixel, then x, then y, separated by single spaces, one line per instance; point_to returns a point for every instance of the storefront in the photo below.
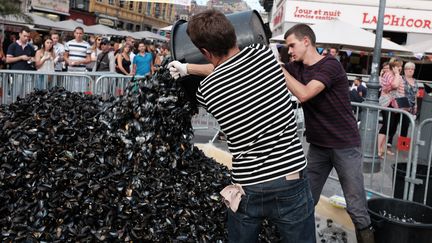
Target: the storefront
pixel 83 17
pixel 404 23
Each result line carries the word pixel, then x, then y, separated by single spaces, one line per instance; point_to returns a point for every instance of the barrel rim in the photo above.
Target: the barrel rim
pixel 408 225
pixel 173 29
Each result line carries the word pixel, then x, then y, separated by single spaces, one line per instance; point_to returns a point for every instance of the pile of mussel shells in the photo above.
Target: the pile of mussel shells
pixel 76 167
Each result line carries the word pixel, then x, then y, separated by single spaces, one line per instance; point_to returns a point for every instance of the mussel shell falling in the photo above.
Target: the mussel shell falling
pixel 76 167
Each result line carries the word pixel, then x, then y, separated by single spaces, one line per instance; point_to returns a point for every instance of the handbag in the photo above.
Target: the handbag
pixel 401 102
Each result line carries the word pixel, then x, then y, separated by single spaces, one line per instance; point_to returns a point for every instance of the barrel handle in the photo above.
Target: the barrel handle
pixel 378 223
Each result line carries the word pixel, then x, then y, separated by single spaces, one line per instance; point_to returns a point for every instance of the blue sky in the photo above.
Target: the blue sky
pixel 254 4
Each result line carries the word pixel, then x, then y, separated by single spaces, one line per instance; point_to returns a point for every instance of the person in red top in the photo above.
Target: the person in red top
pixel 321 85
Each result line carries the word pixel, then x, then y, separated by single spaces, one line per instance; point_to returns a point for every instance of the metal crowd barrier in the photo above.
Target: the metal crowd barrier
pixel 111 84
pixel 383 183
pixel 413 176
pixel 16 83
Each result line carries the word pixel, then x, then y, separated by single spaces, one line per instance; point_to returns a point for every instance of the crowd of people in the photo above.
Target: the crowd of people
pixel 30 50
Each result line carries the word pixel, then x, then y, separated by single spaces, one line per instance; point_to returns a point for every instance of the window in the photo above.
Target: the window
pixel 131 5
pixel 149 9
pixel 164 10
pixel 140 7
pixel 111 2
pixel 157 10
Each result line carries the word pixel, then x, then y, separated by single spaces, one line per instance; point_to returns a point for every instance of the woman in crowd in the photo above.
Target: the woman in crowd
pixel 391 87
pixel 411 89
pixel 44 60
pixel 96 50
pixel 2 57
pixel 385 67
pixel 123 61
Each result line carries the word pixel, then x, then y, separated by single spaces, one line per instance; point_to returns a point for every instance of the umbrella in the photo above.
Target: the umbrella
pixel 337 32
pixel 150 35
pixel 45 22
pixel 71 24
pixel 101 30
pixel 168 28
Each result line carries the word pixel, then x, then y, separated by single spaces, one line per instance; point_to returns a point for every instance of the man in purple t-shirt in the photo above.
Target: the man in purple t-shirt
pixel 321 84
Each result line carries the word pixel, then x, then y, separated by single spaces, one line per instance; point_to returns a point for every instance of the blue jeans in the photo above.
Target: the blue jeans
pixel 286 203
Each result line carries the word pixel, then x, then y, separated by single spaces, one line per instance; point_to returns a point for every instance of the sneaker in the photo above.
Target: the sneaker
pixel 389 145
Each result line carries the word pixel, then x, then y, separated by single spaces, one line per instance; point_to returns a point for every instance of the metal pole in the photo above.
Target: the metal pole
pixel 370 118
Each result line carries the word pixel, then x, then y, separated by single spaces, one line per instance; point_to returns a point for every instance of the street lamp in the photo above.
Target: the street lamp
pixel 369 119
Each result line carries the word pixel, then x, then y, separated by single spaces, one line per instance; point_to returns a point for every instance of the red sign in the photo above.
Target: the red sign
pixel 399 21
pixel 279 17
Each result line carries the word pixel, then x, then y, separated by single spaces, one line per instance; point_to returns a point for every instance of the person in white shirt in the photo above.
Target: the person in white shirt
pixel 77 52
pixel 58 51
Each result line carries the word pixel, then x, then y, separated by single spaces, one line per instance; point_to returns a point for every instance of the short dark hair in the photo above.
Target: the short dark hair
pixel 300 31
pixel 79 28
pixel 53 32
pixel 25 28
pixel 212 31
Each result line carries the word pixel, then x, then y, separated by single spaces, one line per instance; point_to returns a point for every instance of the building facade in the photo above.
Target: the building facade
pixel 123 14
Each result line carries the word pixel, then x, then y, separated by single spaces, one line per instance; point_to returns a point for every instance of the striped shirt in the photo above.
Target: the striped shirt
pixel 78 51
pixel 329 119
pixel 248 97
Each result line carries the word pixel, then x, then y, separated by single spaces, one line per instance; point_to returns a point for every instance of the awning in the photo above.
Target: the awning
pixel 338 33
pixel 50 10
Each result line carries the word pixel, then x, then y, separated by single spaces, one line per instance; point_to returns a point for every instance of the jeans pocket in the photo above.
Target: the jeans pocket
pixel 295 206
pixel 243 204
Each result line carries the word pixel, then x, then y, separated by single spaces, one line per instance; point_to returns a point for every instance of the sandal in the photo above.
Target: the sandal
pixel 381 154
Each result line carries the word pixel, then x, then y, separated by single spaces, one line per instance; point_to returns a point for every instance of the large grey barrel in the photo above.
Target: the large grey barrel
pixel 248 26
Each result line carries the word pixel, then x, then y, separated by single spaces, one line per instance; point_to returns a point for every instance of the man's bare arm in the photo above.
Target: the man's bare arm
pixel 301 91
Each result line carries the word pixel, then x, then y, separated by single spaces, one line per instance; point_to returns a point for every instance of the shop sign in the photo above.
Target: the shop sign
pixel 107 22
pixel 278 18
pixel 57 5
pixel 395 19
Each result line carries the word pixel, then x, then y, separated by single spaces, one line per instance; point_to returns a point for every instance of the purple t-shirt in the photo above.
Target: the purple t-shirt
pixel 329 119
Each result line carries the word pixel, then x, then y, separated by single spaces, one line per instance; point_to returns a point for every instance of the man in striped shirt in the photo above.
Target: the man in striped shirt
pixel 321 85
pixel 77 52
pixel 245 91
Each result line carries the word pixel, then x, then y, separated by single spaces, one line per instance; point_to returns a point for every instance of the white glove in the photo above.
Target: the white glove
pixel 177 69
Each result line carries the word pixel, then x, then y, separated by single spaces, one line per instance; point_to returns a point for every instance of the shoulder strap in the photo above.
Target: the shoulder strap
pixel 99 61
